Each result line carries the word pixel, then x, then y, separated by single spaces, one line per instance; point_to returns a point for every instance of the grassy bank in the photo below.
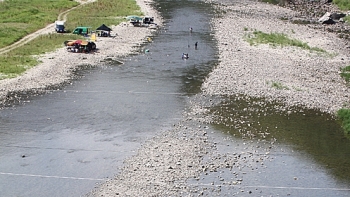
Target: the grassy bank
pixel 19 18
pixel 19 60
pixel 342 4
pixel 109 12
pixel 278 39
pixel 344 117
pixel 344 114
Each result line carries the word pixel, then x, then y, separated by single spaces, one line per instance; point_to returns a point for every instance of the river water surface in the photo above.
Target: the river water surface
pixel 65 142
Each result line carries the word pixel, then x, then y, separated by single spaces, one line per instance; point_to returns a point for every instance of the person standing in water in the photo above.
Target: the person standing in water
pixel 191 29
pixel 195 45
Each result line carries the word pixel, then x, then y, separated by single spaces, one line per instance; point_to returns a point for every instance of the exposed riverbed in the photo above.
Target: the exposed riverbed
pixel 145 128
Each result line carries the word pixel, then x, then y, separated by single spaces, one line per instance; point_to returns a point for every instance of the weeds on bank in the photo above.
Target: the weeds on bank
pixel 278 85
pixel 278 39
pixel 342 4
pixel 345 73
pixel 19 60
pixel 22 17
pixel 344 116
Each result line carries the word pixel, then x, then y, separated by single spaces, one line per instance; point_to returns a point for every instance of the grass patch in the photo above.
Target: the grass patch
pixel 345 73
pixel 19 18
pixel 344 116
pixel 19 60
pixel 278 85
pixel 342 4
pixel 278 39
pixel 108 12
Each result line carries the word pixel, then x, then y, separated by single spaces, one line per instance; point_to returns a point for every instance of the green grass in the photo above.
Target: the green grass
pixel 345 73
pixel 278 39
pixel 278 85
pixel 342 4
pixel 19 60
pixel 19 18
pixel 109 12
pixel 344 116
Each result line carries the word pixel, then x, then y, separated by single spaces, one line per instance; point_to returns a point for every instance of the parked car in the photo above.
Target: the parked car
pixel 59 27
pixel 81 30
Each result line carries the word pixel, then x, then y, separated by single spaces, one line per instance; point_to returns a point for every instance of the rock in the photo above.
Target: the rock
pixel 326 19
pixel 337 16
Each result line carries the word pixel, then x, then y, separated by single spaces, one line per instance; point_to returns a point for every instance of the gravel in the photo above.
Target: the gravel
pixel 305 78
pixel 166 164
pixel 173 163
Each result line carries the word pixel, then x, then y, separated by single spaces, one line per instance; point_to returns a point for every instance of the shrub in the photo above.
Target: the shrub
pixel 344 116
pixel 345 73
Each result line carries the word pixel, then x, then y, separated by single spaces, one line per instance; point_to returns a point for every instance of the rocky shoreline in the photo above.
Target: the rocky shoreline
pixel 305 78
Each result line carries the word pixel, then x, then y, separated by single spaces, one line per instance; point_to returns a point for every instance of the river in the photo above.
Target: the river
pixel 65 142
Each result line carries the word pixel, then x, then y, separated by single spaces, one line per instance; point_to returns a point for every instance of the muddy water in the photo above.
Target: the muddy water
pixel 65 142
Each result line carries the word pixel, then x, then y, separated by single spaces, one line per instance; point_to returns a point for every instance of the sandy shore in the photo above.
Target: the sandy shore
pixel 57 66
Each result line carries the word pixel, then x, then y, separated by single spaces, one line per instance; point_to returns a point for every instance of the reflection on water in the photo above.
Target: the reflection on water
pixel 309 132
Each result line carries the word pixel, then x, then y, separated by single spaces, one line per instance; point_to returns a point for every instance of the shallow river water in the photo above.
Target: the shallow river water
pixel 65 142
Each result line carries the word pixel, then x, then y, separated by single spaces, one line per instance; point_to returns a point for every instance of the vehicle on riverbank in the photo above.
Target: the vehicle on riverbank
pixel 82 30
pixel 80 46
pixel 59 27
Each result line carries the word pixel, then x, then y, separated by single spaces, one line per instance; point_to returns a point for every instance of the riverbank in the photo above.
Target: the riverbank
pixel 304 78
pixel 175 162
pixel 166 164
pixel 57 67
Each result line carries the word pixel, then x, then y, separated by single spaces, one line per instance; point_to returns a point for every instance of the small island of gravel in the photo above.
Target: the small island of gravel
pixel 309 79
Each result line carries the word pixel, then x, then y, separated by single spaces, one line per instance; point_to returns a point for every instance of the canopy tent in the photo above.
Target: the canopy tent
pixel 103 27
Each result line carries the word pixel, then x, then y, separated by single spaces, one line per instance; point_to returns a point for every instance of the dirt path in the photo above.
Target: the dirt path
pixel 46 30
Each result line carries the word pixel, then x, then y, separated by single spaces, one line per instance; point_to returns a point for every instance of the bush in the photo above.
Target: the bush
pixel 344 117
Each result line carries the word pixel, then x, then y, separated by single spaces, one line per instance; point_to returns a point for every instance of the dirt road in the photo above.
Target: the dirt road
pixel 46 30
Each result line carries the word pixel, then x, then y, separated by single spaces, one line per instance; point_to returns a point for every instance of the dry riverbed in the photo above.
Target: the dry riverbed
pixel 304 78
